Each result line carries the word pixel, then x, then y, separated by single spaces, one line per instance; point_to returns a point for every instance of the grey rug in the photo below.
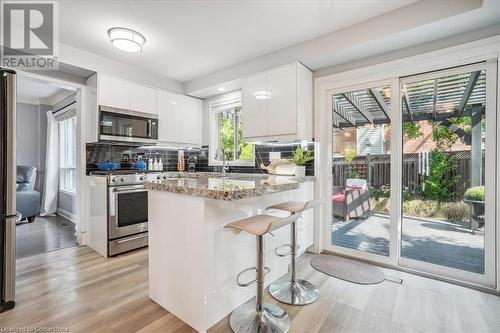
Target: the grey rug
pixel 347 269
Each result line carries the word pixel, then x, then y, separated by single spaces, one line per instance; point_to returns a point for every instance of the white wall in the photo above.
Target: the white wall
pixel 31 135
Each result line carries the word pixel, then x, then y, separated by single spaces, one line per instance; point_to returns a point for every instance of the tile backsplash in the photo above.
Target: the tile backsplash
pixel 126 155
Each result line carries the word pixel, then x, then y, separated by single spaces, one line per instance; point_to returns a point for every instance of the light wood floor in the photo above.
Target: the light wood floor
pixel 75 288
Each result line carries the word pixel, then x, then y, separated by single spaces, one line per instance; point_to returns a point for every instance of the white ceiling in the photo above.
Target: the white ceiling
pixel 35 91
pixel 189 39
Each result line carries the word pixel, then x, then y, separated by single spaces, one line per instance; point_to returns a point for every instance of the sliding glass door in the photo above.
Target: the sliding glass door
pixel 361 162
pixel 412 163
pixel 448 133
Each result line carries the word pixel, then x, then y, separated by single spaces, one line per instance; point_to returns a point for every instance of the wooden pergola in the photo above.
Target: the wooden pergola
pixel 439 100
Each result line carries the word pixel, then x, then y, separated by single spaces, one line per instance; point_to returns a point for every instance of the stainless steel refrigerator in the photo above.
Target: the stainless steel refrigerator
pixel 7 188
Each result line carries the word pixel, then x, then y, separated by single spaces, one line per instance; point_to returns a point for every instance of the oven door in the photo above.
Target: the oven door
pixel 126 125
pixel 128 211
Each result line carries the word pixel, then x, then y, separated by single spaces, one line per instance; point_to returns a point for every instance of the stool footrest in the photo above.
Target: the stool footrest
pixel 267 270
pixel 277 253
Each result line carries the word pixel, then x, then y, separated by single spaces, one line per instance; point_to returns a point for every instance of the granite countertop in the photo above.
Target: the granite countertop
pixel 233 187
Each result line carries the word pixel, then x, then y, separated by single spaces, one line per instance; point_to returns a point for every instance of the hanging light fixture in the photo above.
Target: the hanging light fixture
pixel 126 39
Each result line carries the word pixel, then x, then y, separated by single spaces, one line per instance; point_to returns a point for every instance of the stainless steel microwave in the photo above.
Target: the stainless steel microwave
pixel 127 126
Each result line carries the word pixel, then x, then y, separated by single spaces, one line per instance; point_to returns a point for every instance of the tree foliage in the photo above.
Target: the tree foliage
pixel 226 130
pixel 439 185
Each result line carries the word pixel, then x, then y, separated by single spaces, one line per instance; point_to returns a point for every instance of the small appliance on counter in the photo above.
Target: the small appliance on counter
pixel 192 160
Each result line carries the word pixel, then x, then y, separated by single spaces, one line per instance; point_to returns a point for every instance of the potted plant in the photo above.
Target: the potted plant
pixel 300 158
pixel 474 196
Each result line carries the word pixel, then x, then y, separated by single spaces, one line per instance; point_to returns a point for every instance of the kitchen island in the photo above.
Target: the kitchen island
pixel 194 261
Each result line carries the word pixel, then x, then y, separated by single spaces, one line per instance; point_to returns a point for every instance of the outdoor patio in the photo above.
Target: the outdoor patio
pixel 427 240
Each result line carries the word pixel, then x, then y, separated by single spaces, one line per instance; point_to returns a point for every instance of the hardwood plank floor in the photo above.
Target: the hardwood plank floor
pixel 80 291
pixel 43 235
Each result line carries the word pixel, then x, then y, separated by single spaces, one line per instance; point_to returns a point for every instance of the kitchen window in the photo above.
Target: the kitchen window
pixel 226 133
pixel 67 155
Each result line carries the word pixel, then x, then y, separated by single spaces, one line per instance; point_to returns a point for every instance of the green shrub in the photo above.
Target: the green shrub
pixel 439 185
pixel 475 193
pixel 420 208
pixel 456 211
pixel 380 205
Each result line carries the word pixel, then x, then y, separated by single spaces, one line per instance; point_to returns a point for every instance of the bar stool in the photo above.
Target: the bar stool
pixel 261 317
pixel 294 291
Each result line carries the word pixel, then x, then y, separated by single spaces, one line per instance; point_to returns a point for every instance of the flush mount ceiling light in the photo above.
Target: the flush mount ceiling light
pixel 262 94
pixel 126 39
pixel 221 89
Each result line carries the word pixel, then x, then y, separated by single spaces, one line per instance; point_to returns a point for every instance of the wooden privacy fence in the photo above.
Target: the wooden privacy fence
pixel 379 172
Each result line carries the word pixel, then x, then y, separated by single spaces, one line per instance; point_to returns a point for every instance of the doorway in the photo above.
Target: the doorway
pixel 46 166
pixel 410 185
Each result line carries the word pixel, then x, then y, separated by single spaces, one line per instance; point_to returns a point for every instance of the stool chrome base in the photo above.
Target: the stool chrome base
pixel 300 292
pixel 246 319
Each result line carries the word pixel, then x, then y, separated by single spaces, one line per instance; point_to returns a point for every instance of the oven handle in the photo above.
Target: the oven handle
pixel 130 239
pixel 118 191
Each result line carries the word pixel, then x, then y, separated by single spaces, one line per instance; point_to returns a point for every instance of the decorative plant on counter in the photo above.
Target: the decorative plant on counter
pixel 300 158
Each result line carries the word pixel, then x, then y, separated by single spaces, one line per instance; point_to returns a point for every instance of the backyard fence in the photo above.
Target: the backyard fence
pixel 376 170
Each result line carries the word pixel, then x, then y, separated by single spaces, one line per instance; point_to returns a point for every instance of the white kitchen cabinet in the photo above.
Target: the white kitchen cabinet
pixel 282 104
pixel 142 98
pixel 113 92
pixel 278 104
pixel 180 119
pixel 254 110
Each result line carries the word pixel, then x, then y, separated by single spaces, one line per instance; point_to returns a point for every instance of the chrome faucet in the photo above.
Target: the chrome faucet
pixel 225 167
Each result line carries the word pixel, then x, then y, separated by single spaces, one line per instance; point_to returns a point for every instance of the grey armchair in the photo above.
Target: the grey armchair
pixel 27 199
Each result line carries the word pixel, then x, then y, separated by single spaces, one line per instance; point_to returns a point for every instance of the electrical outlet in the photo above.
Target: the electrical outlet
pixel 274 155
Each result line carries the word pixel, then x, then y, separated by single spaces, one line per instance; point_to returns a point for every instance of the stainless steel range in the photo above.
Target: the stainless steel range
pixel 127 209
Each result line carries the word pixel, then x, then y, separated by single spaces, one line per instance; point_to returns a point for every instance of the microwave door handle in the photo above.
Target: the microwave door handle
pixel 149 128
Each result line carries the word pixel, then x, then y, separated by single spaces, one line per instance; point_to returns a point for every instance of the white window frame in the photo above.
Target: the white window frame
pixel 216 105
pixel 65 165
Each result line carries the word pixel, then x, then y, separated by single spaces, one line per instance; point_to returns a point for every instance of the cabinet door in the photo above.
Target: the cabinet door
pixel 191 120
pixel 254 106
pixel 169 110
pixel 113 92
pixel 142 98
pixel 282 104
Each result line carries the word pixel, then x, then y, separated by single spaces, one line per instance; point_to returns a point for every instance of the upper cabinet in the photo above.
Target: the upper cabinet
pixel 113 92
pixel 278 104
pixel 126 95
pixel 179 116
pixel 142 98
pixel 180 119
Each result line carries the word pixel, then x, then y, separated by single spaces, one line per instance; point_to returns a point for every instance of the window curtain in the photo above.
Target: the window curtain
pixel 51 186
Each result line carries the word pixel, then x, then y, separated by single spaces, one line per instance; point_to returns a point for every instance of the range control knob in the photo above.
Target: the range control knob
pixel 158 177
pixel 141 178
pixel 113 180
pixel 165 177
pixel 122 180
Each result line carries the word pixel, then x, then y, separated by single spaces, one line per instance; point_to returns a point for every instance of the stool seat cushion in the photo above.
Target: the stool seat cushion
pixel 255 225
pixel 290 206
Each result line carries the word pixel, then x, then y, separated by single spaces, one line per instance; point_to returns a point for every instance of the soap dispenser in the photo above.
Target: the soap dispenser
pixel 155 164
pixel 160 165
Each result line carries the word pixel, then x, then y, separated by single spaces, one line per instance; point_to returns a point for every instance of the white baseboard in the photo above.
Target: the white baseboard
pixel 66 215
